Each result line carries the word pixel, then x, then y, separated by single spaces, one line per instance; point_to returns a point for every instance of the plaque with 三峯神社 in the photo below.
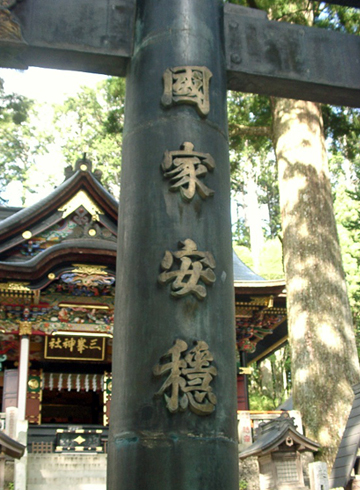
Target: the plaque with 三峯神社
pixel 75 347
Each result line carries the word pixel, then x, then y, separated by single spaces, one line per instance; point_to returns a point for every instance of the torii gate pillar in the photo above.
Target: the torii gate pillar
pixel 173 413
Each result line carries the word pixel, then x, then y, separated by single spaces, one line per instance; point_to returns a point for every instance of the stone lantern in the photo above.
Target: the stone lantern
pixel 278 448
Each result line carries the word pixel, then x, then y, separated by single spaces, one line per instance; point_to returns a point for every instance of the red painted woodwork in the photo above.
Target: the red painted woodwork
pixel 33 400
pixel 242 394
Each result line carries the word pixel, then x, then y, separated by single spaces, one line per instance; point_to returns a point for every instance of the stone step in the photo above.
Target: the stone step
pixel 64 471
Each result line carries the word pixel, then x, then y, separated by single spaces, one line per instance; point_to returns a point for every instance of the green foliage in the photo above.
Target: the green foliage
pixel 21 141
pixel 92 122
pixel 271 260
pixel 347 210
pixel 243 485
pixel 252 160
pixel 269 388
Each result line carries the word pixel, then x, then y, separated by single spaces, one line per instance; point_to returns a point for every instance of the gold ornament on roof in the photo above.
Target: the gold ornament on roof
pixel 90 269
pixel 81 199
pixel 27 235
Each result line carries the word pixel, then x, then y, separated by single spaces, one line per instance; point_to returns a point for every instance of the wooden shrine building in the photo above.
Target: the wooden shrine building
pixel 57 285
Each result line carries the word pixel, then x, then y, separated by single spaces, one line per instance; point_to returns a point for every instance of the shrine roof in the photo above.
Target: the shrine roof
pixel 6 211
pixel 276 432
pixel 249 281
pixel 10 447
pixel 30 215
pixel 33 240
pixel 349 445
pixel 242 272
pixel 76 222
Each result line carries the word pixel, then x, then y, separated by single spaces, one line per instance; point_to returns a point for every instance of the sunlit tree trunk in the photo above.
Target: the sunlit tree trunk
pixel 323 352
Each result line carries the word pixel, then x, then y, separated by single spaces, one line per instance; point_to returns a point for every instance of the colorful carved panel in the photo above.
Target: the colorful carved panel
pixel 254 322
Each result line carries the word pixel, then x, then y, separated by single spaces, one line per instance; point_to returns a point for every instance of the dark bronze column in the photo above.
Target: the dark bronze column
pixel 173 410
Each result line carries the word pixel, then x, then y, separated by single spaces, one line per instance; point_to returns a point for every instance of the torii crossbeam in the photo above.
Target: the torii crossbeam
pixel 173 413
pixel 262 56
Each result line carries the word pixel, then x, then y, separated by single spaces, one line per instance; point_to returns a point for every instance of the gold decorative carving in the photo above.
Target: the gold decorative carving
pixel 245 370
pixel 81 199
pixel 79 440
pixel 191 271
pixel 92 232
pixel 90 269
pixel 184 167
pixel 37 293
pixel 190 375
pixel 51 276
pixel 34 384
pixel 187 85
pixel 267 301
pixel 84 305
pixel 25 328
pixel 15 289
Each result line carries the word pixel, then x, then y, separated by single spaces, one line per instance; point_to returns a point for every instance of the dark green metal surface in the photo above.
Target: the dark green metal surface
pixel 265 57
pixel 150 448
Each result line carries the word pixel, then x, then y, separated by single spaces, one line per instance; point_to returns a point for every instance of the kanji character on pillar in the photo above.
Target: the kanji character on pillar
pixel 190 375
pixel 194 265
pixel 187 85
pixel 184 168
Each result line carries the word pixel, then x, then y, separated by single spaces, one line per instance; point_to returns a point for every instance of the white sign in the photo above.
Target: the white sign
pixel 318 476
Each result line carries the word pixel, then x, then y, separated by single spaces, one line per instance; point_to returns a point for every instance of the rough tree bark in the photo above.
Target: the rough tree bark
pixel 324 358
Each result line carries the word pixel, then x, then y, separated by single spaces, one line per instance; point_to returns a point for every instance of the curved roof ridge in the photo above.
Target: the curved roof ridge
pixel 31 210
pixel 23 215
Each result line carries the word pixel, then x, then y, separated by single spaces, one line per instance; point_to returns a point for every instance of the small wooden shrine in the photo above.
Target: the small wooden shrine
pixel 57 289
pixel 278 448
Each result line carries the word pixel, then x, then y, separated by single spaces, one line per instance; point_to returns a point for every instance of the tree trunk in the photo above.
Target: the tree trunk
pixel 324 357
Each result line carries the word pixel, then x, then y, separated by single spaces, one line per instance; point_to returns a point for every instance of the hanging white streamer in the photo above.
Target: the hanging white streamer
pixel 51 381
pixel 94 382
pixel 69 382
pixel 87 382
pixel 60 381
pixel 78 386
